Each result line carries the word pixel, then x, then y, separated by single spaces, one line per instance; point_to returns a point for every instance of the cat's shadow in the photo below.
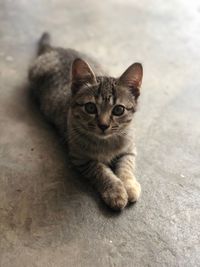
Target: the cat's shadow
pixel 70 190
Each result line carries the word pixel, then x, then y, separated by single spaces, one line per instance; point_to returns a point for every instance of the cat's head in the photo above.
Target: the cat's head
pixel 104 106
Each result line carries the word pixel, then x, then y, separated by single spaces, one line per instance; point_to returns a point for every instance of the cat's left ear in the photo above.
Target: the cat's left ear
pixel 81 74
pixel 132 78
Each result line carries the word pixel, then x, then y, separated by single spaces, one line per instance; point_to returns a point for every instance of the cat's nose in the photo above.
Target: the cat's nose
pixel 103 127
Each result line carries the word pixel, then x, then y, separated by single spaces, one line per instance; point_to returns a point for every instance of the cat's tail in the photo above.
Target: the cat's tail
pixel 44 43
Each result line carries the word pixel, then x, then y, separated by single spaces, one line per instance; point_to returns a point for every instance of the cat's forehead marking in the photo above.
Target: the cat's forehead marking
pixel 106 91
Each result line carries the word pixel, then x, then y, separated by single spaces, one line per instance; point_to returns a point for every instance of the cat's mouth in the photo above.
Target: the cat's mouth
pixel 104 135
pixel 101 134
pixel 98 132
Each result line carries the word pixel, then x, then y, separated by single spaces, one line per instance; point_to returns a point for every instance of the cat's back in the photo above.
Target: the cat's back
pixel 55 65
pixel 50 76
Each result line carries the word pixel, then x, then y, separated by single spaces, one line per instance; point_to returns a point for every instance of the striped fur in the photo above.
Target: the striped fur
pixel 62 88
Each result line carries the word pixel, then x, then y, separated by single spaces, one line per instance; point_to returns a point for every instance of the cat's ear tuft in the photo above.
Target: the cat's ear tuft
pixel 132 78
pixel 81 74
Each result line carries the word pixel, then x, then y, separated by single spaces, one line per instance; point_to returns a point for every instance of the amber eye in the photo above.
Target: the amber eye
pixel 90 108
pixel 118 110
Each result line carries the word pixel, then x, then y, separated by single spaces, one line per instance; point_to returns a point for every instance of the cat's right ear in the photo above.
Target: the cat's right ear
pixel 132 78
pixel 81 74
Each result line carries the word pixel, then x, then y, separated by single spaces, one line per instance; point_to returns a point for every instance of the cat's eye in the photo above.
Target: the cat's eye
pixel 90 108
pixel 118 110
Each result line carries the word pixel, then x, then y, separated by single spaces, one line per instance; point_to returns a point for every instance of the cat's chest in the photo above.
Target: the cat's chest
pixel 106 155
pixel 102 152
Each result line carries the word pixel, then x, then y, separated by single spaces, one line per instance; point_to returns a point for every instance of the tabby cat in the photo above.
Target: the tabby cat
pixel 94 113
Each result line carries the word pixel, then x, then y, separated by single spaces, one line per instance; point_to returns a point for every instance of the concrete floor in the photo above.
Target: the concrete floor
pixel 50 217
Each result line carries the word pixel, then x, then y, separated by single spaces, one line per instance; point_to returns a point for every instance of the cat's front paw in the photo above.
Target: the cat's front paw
pixel 116 196
pixel 133 190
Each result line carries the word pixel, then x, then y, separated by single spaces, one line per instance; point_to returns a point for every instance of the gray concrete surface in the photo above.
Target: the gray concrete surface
pixel 50 217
